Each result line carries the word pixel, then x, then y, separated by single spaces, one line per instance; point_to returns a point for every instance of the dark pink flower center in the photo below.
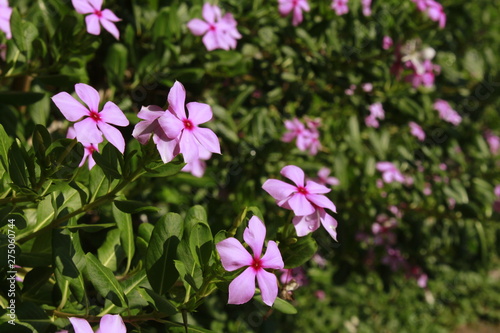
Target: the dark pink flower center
pixel 98 13
pixel 256 264
pixel 302 190
pixel 212 27
pixel 95 116
pixel 91 149
pixel 188 124
pixel 294 2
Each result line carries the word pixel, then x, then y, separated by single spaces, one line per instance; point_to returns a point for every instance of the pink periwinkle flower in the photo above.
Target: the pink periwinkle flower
pixel 5 13
pixel 367 7
pixel 174 132
pixel 307 137
pixel 302 199
pixel 88 149
pixel 416 131
pixel 319 260
pixel 97 17
pixel 387 43
pixel 446 112
pixel 497 191
pixel 324 177
pixel 297 275
pixel 394 259
pixel 390 172
pixel 219 31
pixel 320 294
pixel 416 273
pixel 367 87
pixel 109 323
pixel 424 74
pixel 340 7
pixel 234 256
pixel 433 9
pixel 376 112
pixel 493 142
pixel 427 189
pixel 285 7
pixel 95 123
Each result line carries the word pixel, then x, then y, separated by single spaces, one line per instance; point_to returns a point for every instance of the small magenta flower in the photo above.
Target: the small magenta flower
pixel 5 13
pixel 109 323
pixel 367 7
pixel 183 128
pixel 493 141
pixel 376 112
pixel 446 112
pixel 234 256
pixel 416 130
pixel 219 32
pixel 95 123
pixel 97 17
pixel 88 149
pixel 433 9
pixel 324 177
pixel 390 173
pixel 367 87
pixel 340 7
pixel 387 43
pixel 297 6
pixel 302 199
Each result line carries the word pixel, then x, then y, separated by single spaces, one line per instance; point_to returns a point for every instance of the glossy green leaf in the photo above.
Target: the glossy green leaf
pixel 124 223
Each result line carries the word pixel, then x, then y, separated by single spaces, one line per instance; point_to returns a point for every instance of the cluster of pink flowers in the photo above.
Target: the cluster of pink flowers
pixel 387 43
pixel 433 9
pixel 493 142
pixel 296 7
pixel 367 87
pixel 97 17
pixel 176 132
pixel 416 130
pixel 219 31
pixel 446 112
pixel 5 13
pixel 234 256
pixel 423 74
pixel 307 135
pixel 307 201
pixel 390 173
pixel 340 7
pixel 376 112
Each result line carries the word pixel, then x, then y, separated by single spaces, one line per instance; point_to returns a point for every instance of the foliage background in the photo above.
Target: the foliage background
pixel 279 72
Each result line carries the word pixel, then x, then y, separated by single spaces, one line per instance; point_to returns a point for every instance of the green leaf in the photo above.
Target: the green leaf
pixel 194 215
pixel 298 253
pixel 45 213
pixel 161 304
pixel 5 142
pixel 161 253
pixel 281 305
pixel 160 169
pixel 109 160
pixel 111 252
pixel 134 207
pixel 124 223
pixel 189 271
pixel 201 243
pixel 23 33
pixel 115 63
pixel 104 281
pixel 41 141
pixel 99 184
pixel 17 165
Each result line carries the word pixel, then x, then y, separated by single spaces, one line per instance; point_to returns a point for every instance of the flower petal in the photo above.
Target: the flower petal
pixel 329 223
pixel 87 131
pixel 97 4
pixel 93 25
pixel 300 205
pixel 112 114
pixel 321 201
pixel 268 285
pixel 150 112
pixel 278 189
pixel 167 148
pixel 210 40
pixel 188 147
pixel 110 16
pixel 209 12
pixel 69 107
pixel 208 139
pixel 171 125
pixel 198 27
pixel 199 113
pixel 294 173
pixel 315 188
pixel 306 224
pixel 272 258
pixel 88 95
pixel 110 27
pixel 233 255
pixel 176 99
pixel 82 6
pixel 112 323
pixel 80 325
pixel 242 289
pixel 113 135
pixel 254 235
